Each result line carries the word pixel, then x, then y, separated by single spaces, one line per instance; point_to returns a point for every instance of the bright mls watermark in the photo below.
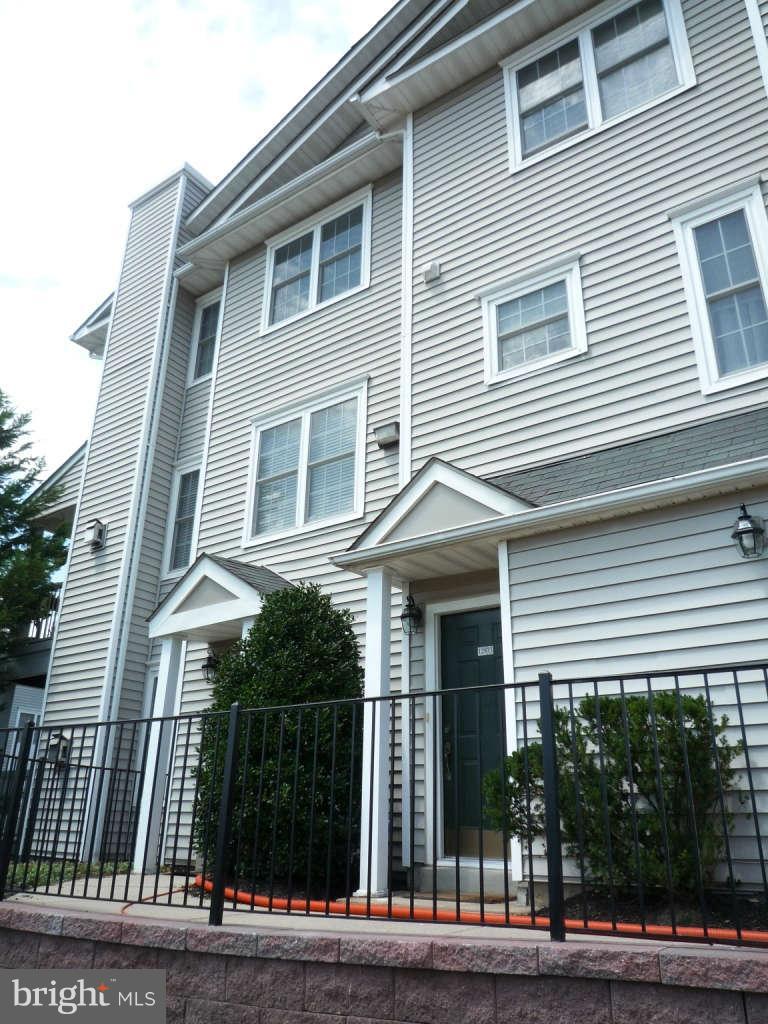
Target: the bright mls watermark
pixel 52 995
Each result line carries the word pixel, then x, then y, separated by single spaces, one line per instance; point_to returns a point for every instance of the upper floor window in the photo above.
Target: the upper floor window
pixel 318 261
pixel 724 252
pixel 534 321
pixel 185 511
pixel 205 333
pixel 616 60
pixel 309 465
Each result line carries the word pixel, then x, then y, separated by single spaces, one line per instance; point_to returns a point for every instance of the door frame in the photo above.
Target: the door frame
pixel 434 613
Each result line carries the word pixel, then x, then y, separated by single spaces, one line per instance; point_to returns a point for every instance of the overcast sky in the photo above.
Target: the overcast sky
pixel 101 100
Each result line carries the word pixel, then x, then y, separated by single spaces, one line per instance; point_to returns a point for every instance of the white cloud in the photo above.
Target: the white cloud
pixel 101 101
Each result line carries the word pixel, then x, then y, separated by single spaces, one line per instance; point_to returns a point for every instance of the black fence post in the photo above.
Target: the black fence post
pixel 224 830
pixel 11 822
pixel 551 810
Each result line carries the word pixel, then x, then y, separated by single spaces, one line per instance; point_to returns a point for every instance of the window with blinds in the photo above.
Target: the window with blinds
pixel 307 467
pixel 207 328
pixel 184 520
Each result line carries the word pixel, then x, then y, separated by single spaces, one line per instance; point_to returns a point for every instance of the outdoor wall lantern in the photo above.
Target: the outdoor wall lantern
pixel 387 435
pixel 410 617
pixel 96 534
pixel 749 534
pixel 210 665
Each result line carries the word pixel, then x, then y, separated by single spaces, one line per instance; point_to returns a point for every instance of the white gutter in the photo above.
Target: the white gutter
pixel 309 179
pixel 604 505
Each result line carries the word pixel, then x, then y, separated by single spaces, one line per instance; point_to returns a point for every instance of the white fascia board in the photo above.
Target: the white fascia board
pixel 274 150
pixel 438 472
pixel 560 515
pixel 63 469
pixel 194 251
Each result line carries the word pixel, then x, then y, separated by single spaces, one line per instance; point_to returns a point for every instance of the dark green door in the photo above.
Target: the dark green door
pixel 470 655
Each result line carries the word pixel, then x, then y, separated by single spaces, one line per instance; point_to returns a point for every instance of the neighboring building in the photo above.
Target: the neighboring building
pixel 26 672
pixel 482 320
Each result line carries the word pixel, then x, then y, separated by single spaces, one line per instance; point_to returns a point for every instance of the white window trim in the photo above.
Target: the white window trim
pixel 581 28
pixel 314 223
pixel 566 268
pixel 749 198
pixel 203 302
pixel 188 466
pixel 303 410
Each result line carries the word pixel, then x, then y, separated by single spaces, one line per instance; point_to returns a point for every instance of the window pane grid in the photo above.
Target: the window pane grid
pixel 331 255
pixel 734 295
pixel 533 326
pixel 184 519
pixel 628 60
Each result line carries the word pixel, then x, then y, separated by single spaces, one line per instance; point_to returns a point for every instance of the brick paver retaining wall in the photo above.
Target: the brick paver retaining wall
pixel 251 975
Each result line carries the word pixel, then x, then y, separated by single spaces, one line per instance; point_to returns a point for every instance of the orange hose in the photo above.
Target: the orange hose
pixel 400 913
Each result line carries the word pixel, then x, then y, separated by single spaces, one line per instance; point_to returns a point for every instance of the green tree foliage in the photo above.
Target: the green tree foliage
pixel 632 818
pixel 297 780
pixel 28 554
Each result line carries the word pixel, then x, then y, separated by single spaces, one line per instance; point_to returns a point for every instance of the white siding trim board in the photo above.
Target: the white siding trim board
pixel 406 308
pixel 761 43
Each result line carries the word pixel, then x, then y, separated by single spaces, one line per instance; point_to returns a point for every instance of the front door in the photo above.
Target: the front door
pixel 470 655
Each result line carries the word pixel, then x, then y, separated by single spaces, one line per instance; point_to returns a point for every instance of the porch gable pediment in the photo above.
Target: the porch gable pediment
pixel 440 497
pixel 212 600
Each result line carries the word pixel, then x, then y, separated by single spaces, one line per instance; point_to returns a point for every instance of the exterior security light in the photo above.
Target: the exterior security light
pixel 410 617
pixel 96 534
pixel 749 534
pixel 210 666
pixel 387 435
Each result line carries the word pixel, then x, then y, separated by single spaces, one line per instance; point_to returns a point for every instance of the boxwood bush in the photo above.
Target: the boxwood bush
pixel 630 816
pixel 297 778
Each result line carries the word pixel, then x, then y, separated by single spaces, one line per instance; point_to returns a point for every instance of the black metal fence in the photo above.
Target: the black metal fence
pixel 630 806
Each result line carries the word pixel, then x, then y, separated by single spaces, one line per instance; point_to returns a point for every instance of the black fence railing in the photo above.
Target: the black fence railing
pixel 42 627
pixel 633 805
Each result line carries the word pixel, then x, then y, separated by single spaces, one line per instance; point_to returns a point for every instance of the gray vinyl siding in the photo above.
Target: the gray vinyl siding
pixel 661 591
pixel 77 676
pixel 69 487
pixel 257 375
pixel 194 422
pixel 607 198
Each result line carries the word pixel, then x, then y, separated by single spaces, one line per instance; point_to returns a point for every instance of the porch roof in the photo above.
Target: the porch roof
pixel 718 457
pixel 687 450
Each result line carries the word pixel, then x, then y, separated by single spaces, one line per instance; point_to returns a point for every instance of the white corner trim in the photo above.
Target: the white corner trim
pixel 363 197
pixel 567 270
pixel 303 410
pixel 140 487
pixel 406 310
pixel 759 36
pixel 207 439
pixel 742 196
pixel 581 29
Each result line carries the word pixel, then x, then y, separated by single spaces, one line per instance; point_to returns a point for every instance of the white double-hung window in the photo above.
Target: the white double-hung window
pixel 616 60
pixel 533 321
pixel 184 506
pixel 308 465
pixel 318 261
pixel 723 247
pixel 204 335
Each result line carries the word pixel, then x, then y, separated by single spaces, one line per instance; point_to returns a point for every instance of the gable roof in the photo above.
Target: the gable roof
pixel 715 442
pixel 213 598
pixel 92 332
pixel 325 99
pixel 478 500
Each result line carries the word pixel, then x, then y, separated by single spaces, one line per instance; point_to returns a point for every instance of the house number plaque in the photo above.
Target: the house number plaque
pixel 483 651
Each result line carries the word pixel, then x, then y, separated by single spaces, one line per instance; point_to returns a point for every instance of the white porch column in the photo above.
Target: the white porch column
pixel 375 779
pixel 510 696
pixel 157 753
